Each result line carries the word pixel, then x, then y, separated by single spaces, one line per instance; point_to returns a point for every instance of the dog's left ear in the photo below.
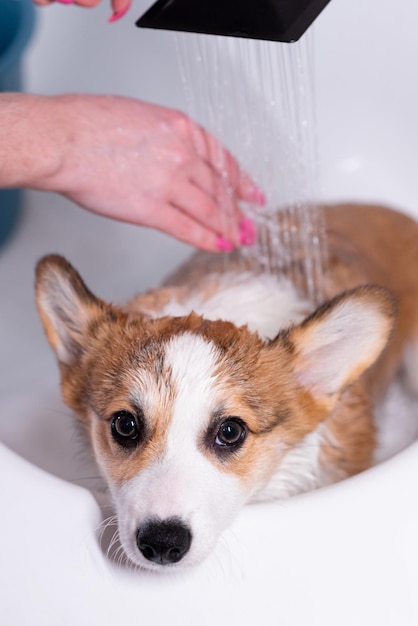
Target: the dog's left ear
pixel 340 340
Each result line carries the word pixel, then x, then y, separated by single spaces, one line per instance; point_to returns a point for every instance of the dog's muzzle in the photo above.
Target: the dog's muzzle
pixel 164 541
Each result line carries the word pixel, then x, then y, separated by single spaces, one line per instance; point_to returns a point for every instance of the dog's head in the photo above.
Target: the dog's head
pixel 190 418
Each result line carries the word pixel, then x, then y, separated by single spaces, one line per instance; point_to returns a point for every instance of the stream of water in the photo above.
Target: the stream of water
pixel 258 98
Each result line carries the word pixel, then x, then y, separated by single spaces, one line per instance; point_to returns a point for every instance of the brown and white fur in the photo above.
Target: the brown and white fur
pixel 223 388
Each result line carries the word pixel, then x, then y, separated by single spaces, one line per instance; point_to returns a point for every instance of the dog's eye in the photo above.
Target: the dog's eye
pixel 126 429
pixel 231 433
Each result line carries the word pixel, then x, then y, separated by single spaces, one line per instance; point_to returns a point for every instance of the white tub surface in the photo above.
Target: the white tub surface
pixel 346 555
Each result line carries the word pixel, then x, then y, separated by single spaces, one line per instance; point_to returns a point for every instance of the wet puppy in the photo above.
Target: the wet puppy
pixel 222 388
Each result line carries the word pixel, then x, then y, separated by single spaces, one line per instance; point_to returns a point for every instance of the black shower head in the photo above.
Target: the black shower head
pixel 274 20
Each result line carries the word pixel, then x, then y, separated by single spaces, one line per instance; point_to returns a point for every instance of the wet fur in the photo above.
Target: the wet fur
pixel 211 344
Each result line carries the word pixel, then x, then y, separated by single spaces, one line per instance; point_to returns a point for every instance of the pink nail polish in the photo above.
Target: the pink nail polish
pixel 224 245
pixel 117 16
pixel 65 1
pixel 247 232
pixel 259 197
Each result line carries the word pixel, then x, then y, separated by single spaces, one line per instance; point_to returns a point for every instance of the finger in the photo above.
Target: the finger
pixel 119 8
pixel 87 4
pixel 239 181
pixel 179 225
pixel 202 207
pixel 83 3
pixel 242 184
pixel 222 160
pixel 227 210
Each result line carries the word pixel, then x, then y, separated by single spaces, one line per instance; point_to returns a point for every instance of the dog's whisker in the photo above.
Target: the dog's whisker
pixel 107 523
pixel 114 546
pixel 123 561
pixel 104 526
pixel 227 563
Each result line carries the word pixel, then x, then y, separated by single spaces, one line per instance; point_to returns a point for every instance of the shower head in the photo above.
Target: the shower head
pixel 274 20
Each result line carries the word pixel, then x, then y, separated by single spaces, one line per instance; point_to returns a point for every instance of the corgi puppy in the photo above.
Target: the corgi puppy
pixel 228 387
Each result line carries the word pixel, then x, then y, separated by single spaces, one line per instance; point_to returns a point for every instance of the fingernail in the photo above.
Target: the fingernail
pixel 259 197
pixel 224 245
pixel 65 1
pixel 247 232
pixel 116 16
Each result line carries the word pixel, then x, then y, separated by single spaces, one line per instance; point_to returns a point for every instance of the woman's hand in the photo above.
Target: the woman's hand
pixel 135 162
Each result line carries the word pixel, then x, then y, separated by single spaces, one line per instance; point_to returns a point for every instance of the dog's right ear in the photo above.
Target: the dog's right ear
pixel 66 306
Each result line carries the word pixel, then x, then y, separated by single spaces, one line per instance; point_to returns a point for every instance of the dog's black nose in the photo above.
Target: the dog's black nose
pixel 164 541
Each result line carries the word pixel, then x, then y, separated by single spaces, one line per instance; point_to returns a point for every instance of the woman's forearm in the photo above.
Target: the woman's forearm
pixel 30 137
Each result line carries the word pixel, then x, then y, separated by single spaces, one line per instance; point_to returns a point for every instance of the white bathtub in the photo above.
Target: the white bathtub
pixel 341 556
